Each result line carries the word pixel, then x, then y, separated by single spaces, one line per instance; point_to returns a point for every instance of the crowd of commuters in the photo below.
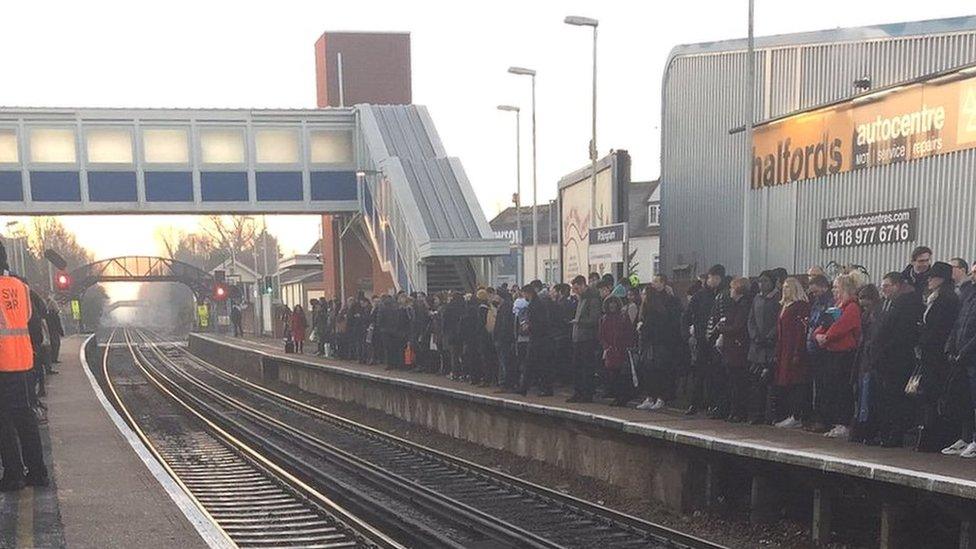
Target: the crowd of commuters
pixel 30 342
pixel 888 364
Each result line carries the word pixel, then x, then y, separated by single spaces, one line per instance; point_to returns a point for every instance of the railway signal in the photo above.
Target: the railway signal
pixel 220 292
pixel 62 280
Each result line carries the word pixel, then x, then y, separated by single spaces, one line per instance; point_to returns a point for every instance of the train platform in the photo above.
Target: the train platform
pixel 681 460
pixel 102 492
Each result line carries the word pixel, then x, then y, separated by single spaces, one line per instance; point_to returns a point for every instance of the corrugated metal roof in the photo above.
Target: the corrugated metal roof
pixel 435 185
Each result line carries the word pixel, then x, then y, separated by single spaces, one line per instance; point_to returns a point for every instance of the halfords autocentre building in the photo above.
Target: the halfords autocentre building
pixel 864 147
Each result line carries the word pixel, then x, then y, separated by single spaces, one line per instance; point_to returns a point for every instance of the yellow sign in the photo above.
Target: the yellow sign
pixel 896 125
pixel 75 309
pixel 203 315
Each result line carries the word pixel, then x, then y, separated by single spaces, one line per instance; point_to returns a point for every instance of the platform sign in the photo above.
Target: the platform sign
pixel 607 243
pixel 75 309
pixel 203 315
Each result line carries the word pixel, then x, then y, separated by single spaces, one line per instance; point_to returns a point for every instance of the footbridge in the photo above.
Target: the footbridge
pixel 379 174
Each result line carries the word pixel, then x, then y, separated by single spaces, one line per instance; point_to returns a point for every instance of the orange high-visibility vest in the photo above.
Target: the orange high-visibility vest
pixel 16 352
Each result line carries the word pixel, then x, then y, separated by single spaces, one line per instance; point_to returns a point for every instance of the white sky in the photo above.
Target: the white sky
pixel 260 54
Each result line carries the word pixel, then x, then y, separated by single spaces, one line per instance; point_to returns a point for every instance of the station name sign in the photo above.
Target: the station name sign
pixel 606 244
pixel 896 125
pixel 867 229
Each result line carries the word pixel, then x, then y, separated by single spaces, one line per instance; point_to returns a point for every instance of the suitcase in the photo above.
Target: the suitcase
pixel 289 346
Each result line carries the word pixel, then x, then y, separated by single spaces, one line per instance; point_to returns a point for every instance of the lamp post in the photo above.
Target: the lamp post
pixel 519 252
pixel 17 265
pixel 521 71
pixel 578 21
pixel 750 113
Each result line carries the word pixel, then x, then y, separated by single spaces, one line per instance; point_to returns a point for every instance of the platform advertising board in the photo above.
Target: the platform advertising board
pixel 894 125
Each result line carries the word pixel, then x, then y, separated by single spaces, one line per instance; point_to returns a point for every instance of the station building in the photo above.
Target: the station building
pixel 864 147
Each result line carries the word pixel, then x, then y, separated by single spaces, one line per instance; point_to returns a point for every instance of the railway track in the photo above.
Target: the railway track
pixel 504 509
pixel 252 503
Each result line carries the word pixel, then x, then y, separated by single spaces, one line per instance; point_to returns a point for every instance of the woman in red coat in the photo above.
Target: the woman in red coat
pixel 839 341
pixel 616 336
pixel 790 377
pixel 298 325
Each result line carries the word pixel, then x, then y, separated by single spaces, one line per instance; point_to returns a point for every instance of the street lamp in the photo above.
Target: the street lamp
pixel 521 71
pixel 578 21
pixel 17 264
pixel 520 253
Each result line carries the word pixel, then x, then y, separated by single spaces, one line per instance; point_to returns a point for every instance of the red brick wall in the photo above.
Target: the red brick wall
pixel 375 68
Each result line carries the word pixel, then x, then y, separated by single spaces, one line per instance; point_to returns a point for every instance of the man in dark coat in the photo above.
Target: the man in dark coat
pixel 961 278
pixel 961 351
pixel 56 329
pixel 916 274
pixel 941 310
pixel 539 350
pixel 763 320
pixel 732 343
pixel 235 320
pixel 386 325
pixel 695 318
pixel 717 375
pixel 503 338
pixel 893 355
pixel 586 349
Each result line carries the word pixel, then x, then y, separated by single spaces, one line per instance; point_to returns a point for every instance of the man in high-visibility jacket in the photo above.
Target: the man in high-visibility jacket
pixel 17 419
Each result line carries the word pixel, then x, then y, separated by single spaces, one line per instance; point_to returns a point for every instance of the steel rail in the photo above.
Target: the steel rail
pixel 670 536
pixel 251 517
pixel 448 508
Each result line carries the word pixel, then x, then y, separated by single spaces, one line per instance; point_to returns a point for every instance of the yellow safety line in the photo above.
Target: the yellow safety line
pixel 25 517
pixel 145 440
pixel 348 516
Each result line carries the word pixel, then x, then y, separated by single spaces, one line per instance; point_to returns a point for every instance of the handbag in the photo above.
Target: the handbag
pixel 914 386
pixel 409 355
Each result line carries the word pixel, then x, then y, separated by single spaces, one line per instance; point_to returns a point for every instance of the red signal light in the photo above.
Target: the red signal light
pixel 220 292
pixel 62 281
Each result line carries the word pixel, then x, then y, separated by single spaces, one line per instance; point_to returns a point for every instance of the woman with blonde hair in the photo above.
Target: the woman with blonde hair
pixel 839 338
pixel 790 377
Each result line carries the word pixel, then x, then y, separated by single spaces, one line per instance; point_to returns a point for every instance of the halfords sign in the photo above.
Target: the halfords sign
pixel 904 123
pixel 606 244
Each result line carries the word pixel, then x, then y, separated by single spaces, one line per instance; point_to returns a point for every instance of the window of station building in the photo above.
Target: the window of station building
pixel 277 146
pixel 52 146
pixel 109 145
pixel 653 214
pixel 8 147
pixel 166 146
pixel 224 146
pixel 331 147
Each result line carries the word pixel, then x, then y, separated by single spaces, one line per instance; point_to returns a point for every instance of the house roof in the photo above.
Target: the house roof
pixel 506 222
pixel 296 275
pixel 640 195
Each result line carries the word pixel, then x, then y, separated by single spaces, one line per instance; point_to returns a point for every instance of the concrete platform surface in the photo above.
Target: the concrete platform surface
pixel 102 494
pixel 926 471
